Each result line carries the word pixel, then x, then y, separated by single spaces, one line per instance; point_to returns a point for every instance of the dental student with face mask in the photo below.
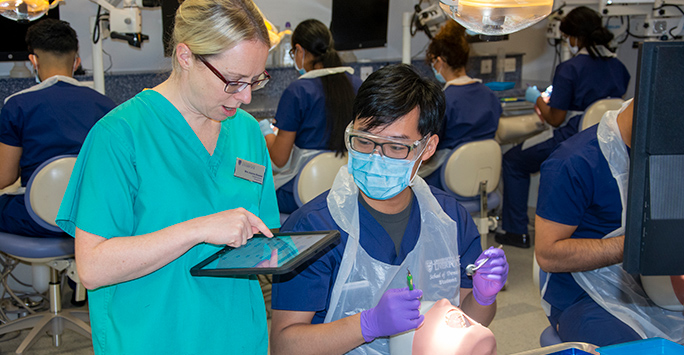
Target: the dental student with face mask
pixel 48 119
pixel 594 73
pixel 352 297
pixel 313 110
pixel 472 109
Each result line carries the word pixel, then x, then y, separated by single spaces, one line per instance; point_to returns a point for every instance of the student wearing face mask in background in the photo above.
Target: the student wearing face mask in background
pixel 472 109
pixel 353 297
pixel 313 111
pixel 594 73
pixel 46 120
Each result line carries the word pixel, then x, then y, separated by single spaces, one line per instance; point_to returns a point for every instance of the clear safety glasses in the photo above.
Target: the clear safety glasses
pixel 234 87
pixel 395 148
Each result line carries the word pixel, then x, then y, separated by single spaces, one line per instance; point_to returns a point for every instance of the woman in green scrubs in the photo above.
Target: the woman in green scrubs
pixel 164 181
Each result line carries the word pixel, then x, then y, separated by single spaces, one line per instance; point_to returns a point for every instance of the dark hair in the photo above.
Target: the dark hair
pixel 52 35
pixel 450 43
pixel 317 41
pixel 585 24
pixel 392 92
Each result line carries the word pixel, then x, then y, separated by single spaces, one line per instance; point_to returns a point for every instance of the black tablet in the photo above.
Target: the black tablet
pixel 262 255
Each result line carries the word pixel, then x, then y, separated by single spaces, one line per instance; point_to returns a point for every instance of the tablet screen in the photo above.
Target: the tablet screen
pixel 262 255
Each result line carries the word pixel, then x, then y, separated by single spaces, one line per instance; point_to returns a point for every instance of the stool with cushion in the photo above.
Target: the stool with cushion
pixel 47 255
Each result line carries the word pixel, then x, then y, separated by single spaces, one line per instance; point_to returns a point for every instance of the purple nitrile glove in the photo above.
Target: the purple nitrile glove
pixel 490 277
pixel 397 311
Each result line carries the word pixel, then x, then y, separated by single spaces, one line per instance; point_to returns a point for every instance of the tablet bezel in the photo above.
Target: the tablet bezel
pixel 330 237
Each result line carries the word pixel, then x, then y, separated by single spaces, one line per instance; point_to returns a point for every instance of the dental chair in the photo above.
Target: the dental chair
pixel 471 173
pixel 47 256
pixel 317 176
pixel 595 111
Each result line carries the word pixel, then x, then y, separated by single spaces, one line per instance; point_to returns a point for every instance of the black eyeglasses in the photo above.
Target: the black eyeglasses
pixel 292 52
pixel 234 87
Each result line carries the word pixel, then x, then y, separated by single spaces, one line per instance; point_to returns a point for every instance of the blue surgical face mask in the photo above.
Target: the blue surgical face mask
pixel 379 177
pixel 438 76
pixel 301 71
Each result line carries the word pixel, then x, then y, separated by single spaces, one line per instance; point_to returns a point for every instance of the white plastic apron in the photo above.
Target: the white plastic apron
pixel 441 155
pixel 299 156
pixel 362 280
pixel 612 287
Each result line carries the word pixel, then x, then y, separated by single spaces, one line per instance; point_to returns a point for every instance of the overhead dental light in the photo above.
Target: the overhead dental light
pixel 25 10
pixel 496 17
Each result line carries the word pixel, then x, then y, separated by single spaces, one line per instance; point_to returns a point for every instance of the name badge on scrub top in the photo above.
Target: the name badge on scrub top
pixel 249 171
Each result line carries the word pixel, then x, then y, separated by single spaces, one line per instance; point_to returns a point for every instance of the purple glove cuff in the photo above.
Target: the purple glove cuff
pixel 365 326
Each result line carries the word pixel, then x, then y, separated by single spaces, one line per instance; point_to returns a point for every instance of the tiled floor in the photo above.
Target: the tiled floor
pixel 518 323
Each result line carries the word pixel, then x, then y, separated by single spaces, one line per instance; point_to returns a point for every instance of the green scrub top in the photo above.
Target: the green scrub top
pixel 142 169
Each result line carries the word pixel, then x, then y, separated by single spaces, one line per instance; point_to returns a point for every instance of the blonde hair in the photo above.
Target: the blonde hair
pixel 212 26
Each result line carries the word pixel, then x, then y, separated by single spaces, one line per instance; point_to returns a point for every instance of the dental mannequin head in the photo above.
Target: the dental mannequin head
pixel 445 331
pixel 53 45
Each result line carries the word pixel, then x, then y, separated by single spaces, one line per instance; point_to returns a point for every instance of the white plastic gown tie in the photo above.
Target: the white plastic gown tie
pixel 362 280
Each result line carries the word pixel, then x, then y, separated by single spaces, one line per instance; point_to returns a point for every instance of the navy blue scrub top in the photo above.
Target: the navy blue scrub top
pixel 577 189
pixel 472 114
pixel 582 80
pixel 309 287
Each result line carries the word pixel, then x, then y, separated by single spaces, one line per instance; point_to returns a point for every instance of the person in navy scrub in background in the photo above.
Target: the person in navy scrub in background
pixel 472 109
pixel 46 120
pixel 594 73
pixel 313 111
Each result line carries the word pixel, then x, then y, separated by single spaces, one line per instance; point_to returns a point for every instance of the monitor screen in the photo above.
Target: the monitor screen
pixel 13 44
pixel 358 24
pixel 654 235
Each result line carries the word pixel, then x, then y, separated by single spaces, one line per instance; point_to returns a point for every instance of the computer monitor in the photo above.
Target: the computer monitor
pixel 13 44
pixel 359 24
pixel 654 235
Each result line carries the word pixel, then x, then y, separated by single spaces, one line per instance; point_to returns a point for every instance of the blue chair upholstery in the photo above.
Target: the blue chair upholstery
pixel 43 195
